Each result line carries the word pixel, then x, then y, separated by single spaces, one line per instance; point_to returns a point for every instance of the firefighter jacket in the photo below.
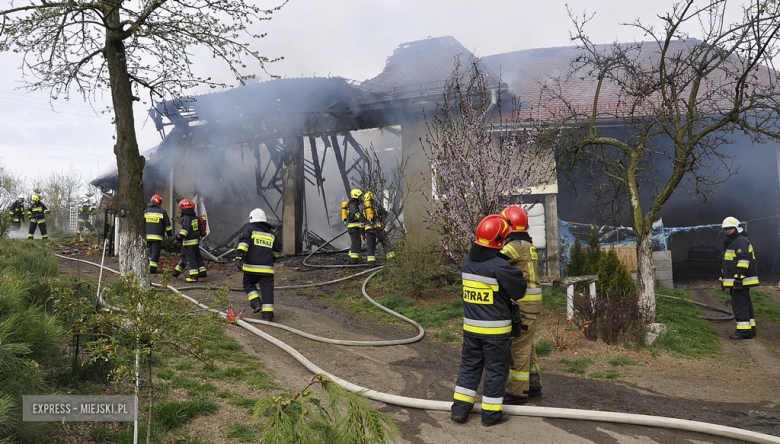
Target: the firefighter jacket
pixel 85 211
pixel 158 224
pixel 739 262
pixel 190 229
pixel 354 215
pixel 374 214
pixel 37 210
pixel 17 211
pixel 521 253
pixel 490 285
pixel 258 248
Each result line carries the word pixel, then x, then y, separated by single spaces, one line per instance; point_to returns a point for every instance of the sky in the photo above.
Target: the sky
pixel 344 38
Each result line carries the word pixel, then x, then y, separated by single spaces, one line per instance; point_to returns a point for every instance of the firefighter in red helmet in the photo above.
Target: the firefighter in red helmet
pixel 189 238
pixel 490 285
pixel 524 376
pixel 158 224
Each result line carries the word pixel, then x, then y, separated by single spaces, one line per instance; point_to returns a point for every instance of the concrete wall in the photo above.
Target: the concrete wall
pixel 415 206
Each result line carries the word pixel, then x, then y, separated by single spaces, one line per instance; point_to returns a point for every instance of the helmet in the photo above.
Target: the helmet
pixel 156 199
pixel 187 204
pixel 21 197
pixel 732 222
pixel 492 231
pixel 356 193
pixel 369 196
pixel 257 215
pixel 516 217
pixel 35 198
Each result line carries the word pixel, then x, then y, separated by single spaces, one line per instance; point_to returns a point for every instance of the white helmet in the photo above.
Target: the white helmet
pixel 257 215
pixel 21 197
pixel 731 222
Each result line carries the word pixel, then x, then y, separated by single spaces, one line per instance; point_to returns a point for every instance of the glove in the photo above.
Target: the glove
pixel 344 222
pixel 364 238
pixel 517 322
pixel 177 241
pixel 738 283
pixel 722 288
pixel 239 264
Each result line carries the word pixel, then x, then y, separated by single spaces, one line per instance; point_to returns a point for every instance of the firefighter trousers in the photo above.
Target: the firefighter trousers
pixel 16 223
pixel 525 365
pixel 265 297
pixel 742 306
pixel 202 272
pixel 154 254
pixel 492 356
pixel 41 224
pixel 374 235
pixel 189 257
pixel 355 234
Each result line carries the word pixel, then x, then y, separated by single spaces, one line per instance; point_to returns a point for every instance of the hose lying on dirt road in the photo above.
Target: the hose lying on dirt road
pixel 541 412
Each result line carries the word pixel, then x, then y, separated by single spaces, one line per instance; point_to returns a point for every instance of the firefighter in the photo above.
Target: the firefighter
pixel 524 377
pixel 374 219
pixel 86 211
pixel 189 238
pixel 36 213
pixel 258 248
pixel 351 215
pixel 158 224
pixel 738 274
pixel 490 285
pixel 17 213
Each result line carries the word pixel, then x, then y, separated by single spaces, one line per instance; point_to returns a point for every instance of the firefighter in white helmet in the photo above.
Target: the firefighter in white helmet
pixel 738 274
pixel 258 248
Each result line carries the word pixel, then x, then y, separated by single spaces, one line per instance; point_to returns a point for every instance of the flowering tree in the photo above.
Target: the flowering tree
pixel 480 160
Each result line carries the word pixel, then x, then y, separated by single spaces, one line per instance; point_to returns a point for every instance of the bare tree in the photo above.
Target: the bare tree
pixel 678 101
pixel 60 190
pixel 481 158
pixel 82 47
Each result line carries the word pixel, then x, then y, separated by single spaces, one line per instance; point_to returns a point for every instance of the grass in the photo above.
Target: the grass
pixel 174 414
pixel 577 366
pixel 543 348
pixel 687 334
pixel 241 432
pixel 619 361
pixel 607 374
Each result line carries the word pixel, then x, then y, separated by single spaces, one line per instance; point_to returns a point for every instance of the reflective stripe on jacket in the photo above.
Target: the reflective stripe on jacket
pixel 489 287
pixel 258 247
pixel 739 262
pixel 158 224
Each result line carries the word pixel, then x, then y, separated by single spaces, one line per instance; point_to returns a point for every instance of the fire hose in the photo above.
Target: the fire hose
pixel 541 412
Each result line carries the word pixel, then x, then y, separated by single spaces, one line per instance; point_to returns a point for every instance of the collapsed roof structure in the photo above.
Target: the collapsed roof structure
pixel 247 147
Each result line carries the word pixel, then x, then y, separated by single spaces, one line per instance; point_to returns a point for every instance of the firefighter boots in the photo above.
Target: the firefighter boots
pixel 504 418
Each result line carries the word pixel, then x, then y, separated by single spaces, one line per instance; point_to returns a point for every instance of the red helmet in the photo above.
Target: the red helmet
pixel 516 217
pixel 187 204
pixel 492 231
pixel 157 199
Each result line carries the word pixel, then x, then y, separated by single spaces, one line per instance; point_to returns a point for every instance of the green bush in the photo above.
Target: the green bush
pixel 416 268
pixel 29 335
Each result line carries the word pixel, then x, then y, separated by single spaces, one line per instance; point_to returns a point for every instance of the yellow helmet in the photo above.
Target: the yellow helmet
pixel 369 196
pixel 35 198
pixel 356 193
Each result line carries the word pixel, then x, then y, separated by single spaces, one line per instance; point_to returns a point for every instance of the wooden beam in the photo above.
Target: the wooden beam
pixel 292 212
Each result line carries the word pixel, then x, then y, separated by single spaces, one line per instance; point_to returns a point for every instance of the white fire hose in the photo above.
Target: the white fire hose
pixel 541 412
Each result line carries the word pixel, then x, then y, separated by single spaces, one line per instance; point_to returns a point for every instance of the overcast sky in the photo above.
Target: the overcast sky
pixel 346 38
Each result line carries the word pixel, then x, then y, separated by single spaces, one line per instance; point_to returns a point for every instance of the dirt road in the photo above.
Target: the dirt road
pixel 738 388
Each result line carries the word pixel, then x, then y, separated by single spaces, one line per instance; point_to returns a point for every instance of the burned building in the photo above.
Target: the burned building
pixel 290 146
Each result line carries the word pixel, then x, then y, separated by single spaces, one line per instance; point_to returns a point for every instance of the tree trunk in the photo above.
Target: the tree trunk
pixel 130 164
pixel 149 421
pixel 645 280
